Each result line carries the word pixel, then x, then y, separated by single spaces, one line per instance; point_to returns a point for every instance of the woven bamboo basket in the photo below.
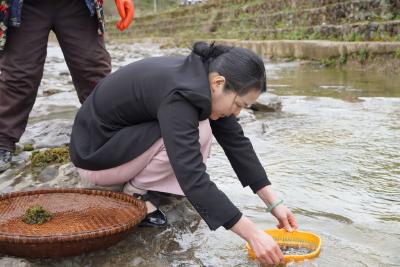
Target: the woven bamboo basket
pixel 83 220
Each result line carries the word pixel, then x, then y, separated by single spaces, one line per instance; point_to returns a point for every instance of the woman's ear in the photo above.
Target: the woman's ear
pixel 218 83
pixel 220 80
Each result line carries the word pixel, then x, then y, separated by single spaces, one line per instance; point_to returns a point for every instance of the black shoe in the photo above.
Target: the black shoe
pixel 156 218
pixel 5 159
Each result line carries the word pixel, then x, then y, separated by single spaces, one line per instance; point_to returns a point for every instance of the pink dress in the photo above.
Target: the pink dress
pixel 151 170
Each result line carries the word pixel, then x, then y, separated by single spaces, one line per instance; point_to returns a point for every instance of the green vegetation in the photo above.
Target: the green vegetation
pixel 53 155
pixel 28 147
pixel 343 59
pixel 298 34
pixel 397 53
pixel 353 37
pixel 315 36
pixel 362 55
pixel 36 215
pixel 281 24
pixel 329 62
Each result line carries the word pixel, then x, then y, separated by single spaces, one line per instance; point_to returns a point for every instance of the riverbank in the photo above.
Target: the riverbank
pixel 337 33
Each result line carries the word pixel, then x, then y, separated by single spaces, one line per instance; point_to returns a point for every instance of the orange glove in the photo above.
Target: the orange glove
pixel 126 11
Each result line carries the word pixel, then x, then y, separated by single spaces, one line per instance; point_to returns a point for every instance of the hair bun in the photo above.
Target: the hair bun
pixel 208 51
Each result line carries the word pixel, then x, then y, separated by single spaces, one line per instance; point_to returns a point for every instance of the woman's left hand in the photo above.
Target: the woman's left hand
pixel 285 218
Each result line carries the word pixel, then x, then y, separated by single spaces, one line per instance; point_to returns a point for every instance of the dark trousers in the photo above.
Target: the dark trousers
pixel 22 63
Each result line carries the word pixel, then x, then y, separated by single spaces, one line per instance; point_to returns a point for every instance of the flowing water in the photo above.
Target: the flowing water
pixel 332 154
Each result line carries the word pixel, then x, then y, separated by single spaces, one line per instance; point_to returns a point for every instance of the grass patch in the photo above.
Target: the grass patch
pixel 329 62
pixel 315 36
pixel 397 53
pixel 298 35
pixel 362 55
pixel 343 59
pixel 353 37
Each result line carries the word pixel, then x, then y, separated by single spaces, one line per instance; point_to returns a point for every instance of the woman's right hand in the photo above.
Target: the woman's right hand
pixel 264 247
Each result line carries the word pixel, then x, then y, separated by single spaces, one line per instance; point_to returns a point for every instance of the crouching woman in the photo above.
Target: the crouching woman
pixel 150 125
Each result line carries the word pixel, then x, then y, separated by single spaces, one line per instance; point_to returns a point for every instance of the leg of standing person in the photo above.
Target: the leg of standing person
pixel 21 68
pixel 83 48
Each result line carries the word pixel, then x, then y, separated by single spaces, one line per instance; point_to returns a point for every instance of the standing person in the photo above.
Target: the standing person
pixel 150 125
pixel 24 32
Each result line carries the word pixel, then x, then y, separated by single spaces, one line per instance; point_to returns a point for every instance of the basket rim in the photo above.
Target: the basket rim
pixel 84 235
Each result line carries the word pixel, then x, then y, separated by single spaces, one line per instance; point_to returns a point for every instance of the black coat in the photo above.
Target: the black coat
pixel 164 97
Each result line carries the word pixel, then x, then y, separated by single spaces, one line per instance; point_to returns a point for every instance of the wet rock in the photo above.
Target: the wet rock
pixel 6 189
pixel 54 90
pixel 64 73
pixel 67 176
pixel 48 174
pixel 23 181
pixel 246 115
pixel 46 134
pixel 137 261
pixel 14 262
pixel 268 103
pixel 180 212
pixel 48 105
pixel 5 177
pixel 21 158
pixel 68 170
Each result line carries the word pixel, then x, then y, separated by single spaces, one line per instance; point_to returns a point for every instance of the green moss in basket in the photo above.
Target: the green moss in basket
pixel 36 215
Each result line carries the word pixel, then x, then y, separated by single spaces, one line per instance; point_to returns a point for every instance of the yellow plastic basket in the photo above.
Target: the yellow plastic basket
pixel 297 239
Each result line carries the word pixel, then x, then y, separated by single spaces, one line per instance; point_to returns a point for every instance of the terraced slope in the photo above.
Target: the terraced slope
pixel 339 20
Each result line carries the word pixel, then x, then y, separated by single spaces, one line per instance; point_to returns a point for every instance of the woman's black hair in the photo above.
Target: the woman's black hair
pixel 243 69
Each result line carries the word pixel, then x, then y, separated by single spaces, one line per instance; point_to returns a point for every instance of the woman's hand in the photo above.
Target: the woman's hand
pixel 285 218
pixel 264 247
pixel 281 212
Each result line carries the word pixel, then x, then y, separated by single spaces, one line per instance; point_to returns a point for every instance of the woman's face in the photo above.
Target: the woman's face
pixel 227 103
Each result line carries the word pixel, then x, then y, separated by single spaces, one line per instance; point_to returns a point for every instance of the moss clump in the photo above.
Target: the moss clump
pixel 36 215
pixel 52 155
pixel 28 147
